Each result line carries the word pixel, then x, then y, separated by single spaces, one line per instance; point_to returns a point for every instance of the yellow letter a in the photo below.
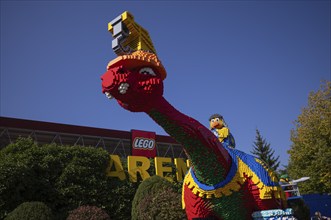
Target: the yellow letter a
pixel 116 163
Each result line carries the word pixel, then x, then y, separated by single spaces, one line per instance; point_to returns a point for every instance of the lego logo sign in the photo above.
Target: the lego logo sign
pixel 143 143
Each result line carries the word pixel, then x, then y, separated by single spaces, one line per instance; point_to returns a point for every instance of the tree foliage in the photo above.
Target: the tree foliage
pixel 264 152
pixel 310 151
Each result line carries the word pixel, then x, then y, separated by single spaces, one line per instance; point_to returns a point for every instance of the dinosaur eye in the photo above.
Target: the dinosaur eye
pixel 217 119
pixel 212 120
pixel 147 71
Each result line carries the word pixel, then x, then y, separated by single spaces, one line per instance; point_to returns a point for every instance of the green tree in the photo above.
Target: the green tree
pixel 263 151
pixel 310 151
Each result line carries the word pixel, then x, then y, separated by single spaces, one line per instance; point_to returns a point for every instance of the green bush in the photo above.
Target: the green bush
pixel 165 204
pixel 157 198
pixel 63 177
pixel 31 211
pixel 88 213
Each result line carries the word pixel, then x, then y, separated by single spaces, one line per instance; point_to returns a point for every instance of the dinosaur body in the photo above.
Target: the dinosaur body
pixel 222 183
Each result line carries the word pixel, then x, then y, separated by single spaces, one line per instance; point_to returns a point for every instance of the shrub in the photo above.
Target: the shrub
pixel 157 198
pixel 63 177
pixel 165 204
pixel 31 211
pixel 88 213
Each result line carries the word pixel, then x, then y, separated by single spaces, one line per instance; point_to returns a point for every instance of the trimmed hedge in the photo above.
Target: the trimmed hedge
pixel 63 177
pixel 31 211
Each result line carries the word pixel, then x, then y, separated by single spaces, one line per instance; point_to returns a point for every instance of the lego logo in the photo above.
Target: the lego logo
pixel 144 143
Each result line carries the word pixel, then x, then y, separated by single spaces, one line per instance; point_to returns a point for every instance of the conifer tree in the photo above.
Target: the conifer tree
pixel 263 151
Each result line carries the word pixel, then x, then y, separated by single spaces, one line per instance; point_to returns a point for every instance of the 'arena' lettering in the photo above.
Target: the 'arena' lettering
pixel 138 164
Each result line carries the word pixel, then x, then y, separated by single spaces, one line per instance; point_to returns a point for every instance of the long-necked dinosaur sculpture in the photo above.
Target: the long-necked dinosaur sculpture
pixel 222 183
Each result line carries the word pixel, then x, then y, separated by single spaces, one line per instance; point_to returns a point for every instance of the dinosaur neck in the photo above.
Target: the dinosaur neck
pixel 201 146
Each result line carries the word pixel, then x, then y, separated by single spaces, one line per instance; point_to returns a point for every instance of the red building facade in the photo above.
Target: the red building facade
pixel 114 141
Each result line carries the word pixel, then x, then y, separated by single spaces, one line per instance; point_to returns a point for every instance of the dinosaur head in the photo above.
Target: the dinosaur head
pixel 134 80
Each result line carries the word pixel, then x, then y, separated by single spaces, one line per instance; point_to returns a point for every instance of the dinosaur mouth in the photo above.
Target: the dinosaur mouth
pixel 122 89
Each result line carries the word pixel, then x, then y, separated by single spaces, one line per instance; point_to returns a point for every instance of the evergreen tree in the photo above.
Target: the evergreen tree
pixel 310 151
pixel 263 151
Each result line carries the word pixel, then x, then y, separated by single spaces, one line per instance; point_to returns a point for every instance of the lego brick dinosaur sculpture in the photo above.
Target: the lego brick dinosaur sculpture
pixel 222 183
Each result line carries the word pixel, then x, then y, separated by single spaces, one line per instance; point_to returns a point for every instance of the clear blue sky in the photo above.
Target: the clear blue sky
pixel 254 62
